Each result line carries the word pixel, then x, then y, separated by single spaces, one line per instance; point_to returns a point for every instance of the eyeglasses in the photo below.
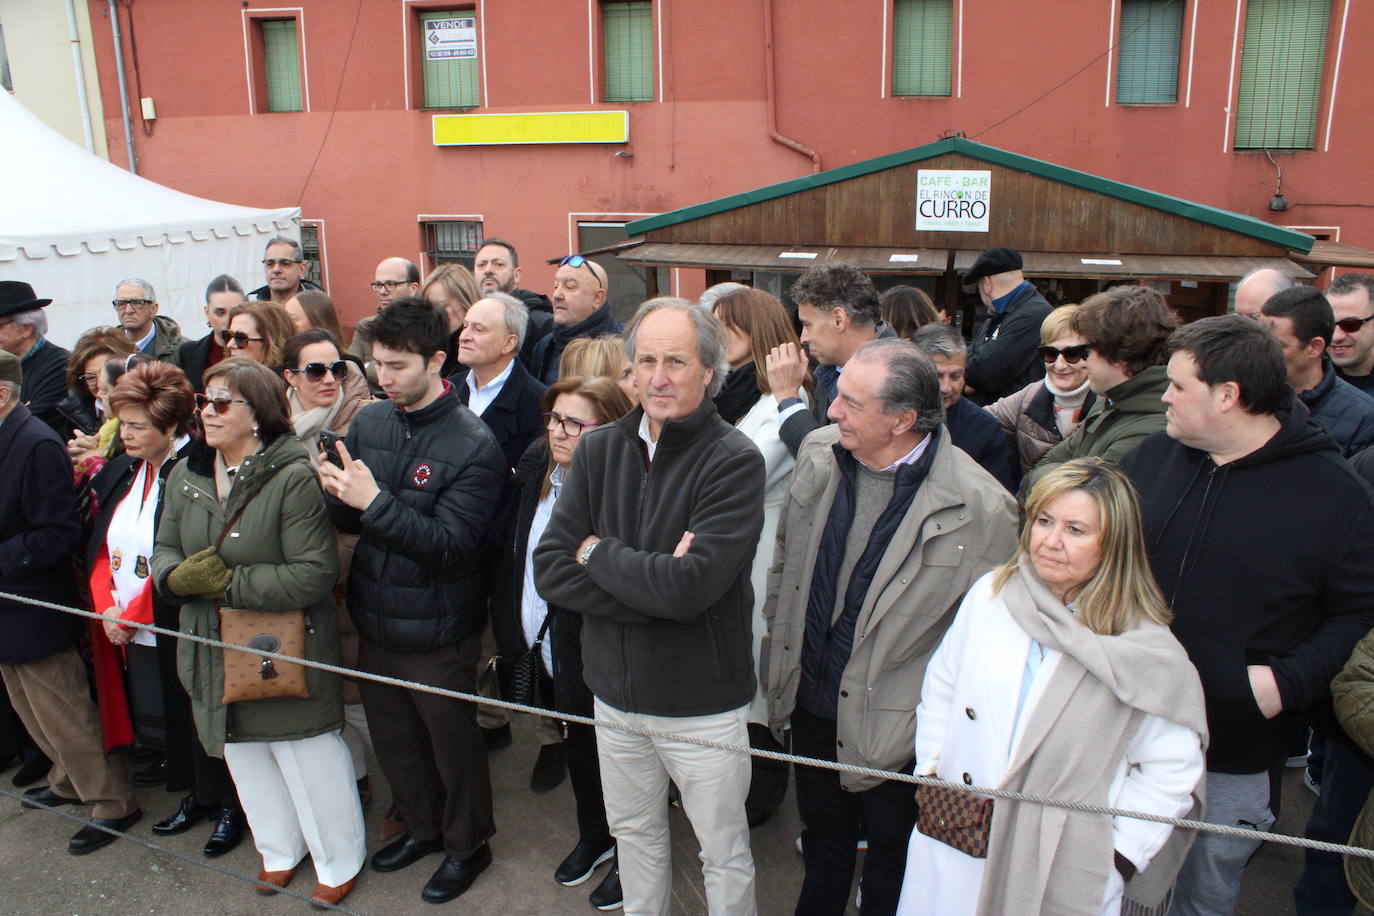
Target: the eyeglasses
pixel 1071 354
pixel 1351 325
pixel 571 428
pixel 240 340
pixel 576 260
pixel 317 371
pixel 391 285
pixel 221 405
pixel 122 305
pixel 269 263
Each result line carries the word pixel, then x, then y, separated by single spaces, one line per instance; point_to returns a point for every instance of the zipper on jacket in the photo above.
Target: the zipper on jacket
pixel 1197 522
pixel 624 629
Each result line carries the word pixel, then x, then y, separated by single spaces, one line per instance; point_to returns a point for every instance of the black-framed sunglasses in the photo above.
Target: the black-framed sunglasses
pixel 571 428
pixel 269 263
pixel 576 260
pixel 239 340
pixel 317 371
pixel 1071 354
pixel 1352 325
pixel 221 405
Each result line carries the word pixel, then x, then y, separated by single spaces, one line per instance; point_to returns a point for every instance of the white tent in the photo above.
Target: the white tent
pixel 72 226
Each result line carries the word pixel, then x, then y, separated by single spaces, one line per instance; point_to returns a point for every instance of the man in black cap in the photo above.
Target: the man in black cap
pixel 22 326
pixel 1003 357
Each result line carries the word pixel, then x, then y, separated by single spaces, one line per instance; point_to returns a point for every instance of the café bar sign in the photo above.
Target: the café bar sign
pixel 953 200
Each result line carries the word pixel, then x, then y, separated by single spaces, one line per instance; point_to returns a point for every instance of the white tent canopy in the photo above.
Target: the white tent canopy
pixel 72 226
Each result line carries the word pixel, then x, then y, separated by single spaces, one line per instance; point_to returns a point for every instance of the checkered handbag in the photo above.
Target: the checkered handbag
pixel 955 818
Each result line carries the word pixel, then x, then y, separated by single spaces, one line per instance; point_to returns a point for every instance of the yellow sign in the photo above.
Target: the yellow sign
pixel 532 128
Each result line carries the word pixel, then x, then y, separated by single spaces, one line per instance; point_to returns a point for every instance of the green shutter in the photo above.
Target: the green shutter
pixel 628 49
pixel 922 47
pixel 281 59
pixel 1147 62
pixel 1282 61
pixel 453 82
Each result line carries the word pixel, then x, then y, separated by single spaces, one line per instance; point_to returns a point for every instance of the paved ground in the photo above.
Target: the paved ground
pixel 38 877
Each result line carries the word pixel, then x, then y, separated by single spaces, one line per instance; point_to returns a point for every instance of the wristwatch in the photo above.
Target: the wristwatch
pixel 586 553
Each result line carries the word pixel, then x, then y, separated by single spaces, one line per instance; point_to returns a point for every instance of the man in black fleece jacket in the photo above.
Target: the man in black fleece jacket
pixel 1258 534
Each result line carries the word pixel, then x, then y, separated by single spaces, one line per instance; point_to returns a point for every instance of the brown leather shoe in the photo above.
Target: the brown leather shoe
pixel 269 882
pixel 325 896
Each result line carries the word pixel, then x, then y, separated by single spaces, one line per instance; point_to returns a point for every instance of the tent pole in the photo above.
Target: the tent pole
pixel 123 92
pixel 74 39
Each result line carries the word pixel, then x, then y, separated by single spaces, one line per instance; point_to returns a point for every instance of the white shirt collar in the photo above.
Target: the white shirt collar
pixel 479 399
pixel 146 341
pixel 910 457
pixel 650 444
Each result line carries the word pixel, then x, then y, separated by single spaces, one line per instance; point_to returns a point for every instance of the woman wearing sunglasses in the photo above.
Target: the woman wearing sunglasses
pixel 1039 416
pixel 259 330
pixel 251 481
pixel 574 407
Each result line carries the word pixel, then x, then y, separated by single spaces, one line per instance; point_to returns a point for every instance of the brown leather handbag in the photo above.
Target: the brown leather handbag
pixel 955 818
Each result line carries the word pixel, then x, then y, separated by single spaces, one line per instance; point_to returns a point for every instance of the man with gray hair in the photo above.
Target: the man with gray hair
pixel 154 335
pixel 886 525
pixel 493 384
pixel 1255 288
pixel 651 541
pixel 283 263
pixel 23 325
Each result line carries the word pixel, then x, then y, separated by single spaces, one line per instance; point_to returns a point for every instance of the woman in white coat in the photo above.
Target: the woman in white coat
pixel 1060 677
pixel 757 322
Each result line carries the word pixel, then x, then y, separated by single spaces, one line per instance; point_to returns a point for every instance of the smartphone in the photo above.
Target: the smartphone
pixel 329 442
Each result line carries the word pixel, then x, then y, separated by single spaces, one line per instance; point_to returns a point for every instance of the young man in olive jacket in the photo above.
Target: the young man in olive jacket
pixel 652 541
pixel 421 480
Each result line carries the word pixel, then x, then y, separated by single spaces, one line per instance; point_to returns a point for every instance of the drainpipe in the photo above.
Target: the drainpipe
pixel 773 134
pixel 74 40
pixel 123 93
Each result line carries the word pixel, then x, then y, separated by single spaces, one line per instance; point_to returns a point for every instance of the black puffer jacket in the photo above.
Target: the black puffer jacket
pixel 418 579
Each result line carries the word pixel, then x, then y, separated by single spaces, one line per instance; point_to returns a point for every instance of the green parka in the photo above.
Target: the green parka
pixel 284 557
pixel 1353 694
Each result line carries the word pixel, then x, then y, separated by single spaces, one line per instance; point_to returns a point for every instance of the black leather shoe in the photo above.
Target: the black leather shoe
pixel 496 738
pixel 227 834
pixel 187 815
pixel 155 774
pixel 32 771
pixel 91 838
pixel 455 876
pixel 44 795
pixel 405 851
pixel 581 863
pixel 608 895
pixel 550 769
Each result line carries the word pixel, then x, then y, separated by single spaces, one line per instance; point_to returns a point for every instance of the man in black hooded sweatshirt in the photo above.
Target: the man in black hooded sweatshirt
pixel 1258 533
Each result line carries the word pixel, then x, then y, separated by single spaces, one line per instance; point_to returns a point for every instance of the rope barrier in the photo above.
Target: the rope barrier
pixel 986 791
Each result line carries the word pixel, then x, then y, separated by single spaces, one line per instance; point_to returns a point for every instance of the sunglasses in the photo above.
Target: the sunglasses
pixel 576 260
pixel 1071 354
pixel 221 405
pixel 317 371
pixel 571 428
pixel 240 340
pixel 269 263
pixel 1351 325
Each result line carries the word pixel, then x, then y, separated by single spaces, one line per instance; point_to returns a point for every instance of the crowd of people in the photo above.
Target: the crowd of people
pixel 1090 553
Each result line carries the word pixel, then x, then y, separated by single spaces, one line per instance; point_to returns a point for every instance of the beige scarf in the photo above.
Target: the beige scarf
pixel 1050 860
pixel 310 423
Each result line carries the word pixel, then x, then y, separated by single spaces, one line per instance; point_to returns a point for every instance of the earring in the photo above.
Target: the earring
pixel 255 430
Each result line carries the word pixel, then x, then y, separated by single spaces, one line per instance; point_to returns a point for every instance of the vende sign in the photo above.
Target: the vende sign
pixel 953 200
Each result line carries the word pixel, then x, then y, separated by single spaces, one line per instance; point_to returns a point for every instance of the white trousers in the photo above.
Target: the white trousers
pixel 300 797
pixel 357 737
pixel 634 776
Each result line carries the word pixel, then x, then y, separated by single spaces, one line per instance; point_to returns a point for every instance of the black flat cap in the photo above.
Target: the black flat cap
pixel 993 261
pixel 16 297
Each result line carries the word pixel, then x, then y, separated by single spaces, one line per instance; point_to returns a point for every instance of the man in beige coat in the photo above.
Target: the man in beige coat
pixel 885 526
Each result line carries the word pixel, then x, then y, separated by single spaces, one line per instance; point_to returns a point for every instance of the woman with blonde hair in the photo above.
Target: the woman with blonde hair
pixel 1060 677
pixel 259 330
pixel 602 356
pixel 451 287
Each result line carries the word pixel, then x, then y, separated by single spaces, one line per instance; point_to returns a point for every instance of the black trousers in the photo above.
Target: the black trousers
pixel 429 746
pixel 1347 778
pixel 833 818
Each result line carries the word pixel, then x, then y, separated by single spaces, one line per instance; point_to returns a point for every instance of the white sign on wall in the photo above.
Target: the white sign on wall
pixel 451 39
pixel 953 200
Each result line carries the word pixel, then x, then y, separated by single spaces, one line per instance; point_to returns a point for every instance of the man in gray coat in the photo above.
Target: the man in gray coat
pixel 885 527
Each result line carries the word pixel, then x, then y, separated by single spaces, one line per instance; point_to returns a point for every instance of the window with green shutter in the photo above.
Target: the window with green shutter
pixel 448 59
pixel 281 64
pixel 628 51
pixel 1283 57
pixel 922 46
pixel 1147 52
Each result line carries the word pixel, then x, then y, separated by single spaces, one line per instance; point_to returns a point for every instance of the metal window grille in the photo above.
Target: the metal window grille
pixel 922 47
pixel 314 263
pixel 449 82
pixel 628 51
pixel 1147 61
pixel 1282 61
pixel 281 59
pixel 452 241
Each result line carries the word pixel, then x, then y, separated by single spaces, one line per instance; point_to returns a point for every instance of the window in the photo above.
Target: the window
pixel 281 64
pixel 1147 56
pixel 1282 60
pixel 625 281
pixel 451 241
pixel 628 51
pixel 922 46
pixel 448 59
pixel 311 245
